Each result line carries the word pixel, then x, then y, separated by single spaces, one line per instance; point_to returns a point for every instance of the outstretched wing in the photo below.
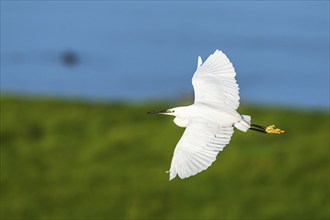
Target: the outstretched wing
pixel 198 147
pixel 214 82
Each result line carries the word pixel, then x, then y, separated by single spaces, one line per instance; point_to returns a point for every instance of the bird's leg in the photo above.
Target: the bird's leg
pixel 258 129
pixel 272 129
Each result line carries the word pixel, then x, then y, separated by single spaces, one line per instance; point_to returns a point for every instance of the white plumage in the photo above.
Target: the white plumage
pixel 214 82
pixel 198 147
pixel 210 120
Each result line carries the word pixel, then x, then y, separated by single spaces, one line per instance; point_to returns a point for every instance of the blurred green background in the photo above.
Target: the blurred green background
pixel 64 159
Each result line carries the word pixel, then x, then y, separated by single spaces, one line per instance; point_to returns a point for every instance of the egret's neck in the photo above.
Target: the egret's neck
pixel 182 112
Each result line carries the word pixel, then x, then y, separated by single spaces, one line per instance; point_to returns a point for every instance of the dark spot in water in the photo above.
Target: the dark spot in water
pixel 69 58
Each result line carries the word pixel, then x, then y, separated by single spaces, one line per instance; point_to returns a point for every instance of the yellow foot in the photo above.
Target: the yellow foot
pixel 272 129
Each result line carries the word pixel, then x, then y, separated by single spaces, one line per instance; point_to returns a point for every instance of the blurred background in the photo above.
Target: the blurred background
pixel 77 78
pixel 143 50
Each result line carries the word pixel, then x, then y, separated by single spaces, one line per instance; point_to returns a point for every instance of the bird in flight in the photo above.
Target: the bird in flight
pixel 210 121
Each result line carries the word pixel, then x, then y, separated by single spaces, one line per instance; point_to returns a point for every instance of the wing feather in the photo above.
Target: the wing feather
pixel 198 147
pixel 214 82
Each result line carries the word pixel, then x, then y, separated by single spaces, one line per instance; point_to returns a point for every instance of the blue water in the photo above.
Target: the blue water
pixel 148 50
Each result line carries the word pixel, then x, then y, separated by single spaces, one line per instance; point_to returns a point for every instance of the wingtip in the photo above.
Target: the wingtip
pixel 200 62
pixel 172 174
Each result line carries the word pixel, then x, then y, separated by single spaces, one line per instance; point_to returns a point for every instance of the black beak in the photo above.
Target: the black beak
pixel 159 111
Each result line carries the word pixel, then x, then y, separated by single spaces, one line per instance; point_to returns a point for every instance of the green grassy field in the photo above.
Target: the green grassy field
pixel 78 160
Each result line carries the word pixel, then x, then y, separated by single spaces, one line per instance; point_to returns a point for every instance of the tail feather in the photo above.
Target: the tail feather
pixel 244 124
pixel 247 118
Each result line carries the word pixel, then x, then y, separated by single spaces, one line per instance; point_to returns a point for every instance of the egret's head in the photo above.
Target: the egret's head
pixel 181 115
pixel 164 112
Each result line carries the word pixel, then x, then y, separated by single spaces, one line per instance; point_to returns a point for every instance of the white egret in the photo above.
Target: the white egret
pixel 210 121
